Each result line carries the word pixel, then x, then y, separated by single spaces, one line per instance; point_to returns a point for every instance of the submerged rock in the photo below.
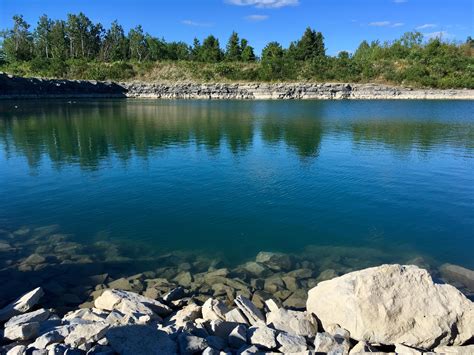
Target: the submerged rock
pixel 393 304
pixel 458 274
pixel 275 261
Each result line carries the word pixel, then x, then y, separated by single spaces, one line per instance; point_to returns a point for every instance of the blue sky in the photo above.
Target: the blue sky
pixel 344 23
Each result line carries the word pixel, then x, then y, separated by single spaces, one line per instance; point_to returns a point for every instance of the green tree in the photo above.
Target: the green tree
pixel 115 44
pixel 210 51
pixel 42 36
pixel 196 50
pixel 84 37
pixel 178 51
pixel 157 48
pixel 310 46
pixel 58 40
pixel 248 54
pixel 233 51
pixel 137 44
pixel 275 65
pixel 18 42
pixel 272 50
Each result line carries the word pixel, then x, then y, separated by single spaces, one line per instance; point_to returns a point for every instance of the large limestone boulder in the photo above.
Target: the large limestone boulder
pixel 393 304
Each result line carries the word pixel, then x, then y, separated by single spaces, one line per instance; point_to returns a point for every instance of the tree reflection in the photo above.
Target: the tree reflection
pixel 87 133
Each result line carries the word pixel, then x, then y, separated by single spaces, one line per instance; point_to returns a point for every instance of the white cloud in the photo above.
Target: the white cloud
pixel 264 3
pixel 196 23
pixel 386 24
pixel 380 23
pixel 256 18
pixel 425 26
pixel 438 34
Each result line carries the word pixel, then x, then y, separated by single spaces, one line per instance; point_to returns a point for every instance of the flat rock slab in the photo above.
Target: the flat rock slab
pixel 131 304
pixel 293 322
pixel 251 312
pixel 262 336
pixel 35 316
pixel 394 304
pixel 22 304
pixel 86 333
pixel 291 343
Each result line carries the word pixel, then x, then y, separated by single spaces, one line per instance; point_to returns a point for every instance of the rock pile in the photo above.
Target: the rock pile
pixel 388 308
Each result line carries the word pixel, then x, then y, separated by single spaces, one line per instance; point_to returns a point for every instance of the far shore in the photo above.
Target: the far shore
pixel 12 87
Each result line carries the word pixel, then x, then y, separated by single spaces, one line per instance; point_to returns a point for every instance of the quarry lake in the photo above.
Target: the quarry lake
pixel 377 181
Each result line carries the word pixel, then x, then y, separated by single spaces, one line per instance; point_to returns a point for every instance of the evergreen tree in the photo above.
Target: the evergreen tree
pixel 42 36
pixel 196 50
pixel 18 42
pixel 272 50
pixel 310 46
pixel 210 50
pixel 179 51
pixel 248 54
pixel 233 49
pixel 275 65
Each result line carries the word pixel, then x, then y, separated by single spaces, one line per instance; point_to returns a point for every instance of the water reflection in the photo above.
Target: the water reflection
pixel 89 132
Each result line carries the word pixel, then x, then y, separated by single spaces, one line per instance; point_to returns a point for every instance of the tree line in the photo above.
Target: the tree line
pixel 77 47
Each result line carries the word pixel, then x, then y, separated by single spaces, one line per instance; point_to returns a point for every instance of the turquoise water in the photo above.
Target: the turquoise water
pixel 232 178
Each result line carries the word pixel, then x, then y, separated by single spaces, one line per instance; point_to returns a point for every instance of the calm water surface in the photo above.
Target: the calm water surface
pixel 232 178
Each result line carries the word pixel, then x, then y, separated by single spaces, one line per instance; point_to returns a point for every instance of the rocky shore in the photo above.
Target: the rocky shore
pixel 58 296
pixel 390 308
pixel 12 87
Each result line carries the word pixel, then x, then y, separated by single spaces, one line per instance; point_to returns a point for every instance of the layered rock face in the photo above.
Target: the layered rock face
pixel 16 87
pixel 293 91
pixel 394 304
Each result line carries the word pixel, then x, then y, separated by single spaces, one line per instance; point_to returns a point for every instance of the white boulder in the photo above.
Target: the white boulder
pixel 393 304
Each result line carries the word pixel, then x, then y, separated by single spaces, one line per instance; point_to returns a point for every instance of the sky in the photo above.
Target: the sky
pixel 344 23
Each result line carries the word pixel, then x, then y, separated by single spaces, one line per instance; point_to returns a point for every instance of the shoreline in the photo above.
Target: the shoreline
pixel 12 87
pixel 61 296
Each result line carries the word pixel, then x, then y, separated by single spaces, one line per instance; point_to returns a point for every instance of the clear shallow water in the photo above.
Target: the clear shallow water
pixel 231 178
